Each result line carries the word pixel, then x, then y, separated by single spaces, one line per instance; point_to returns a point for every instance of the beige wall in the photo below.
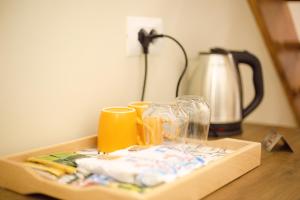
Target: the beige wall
pixel 62 61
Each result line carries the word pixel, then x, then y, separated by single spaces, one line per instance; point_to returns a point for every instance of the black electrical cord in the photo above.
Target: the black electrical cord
pixel 145 77
pixel 145 39
pixel 185 65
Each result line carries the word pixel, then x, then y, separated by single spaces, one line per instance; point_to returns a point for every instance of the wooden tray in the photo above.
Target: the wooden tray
pixel 201 182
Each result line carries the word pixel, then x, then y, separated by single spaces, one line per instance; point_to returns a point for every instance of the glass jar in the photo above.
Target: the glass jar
pixel 164 122
pixel 199 116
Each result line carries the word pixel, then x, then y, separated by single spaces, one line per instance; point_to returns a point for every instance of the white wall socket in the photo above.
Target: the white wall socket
pixel 134 24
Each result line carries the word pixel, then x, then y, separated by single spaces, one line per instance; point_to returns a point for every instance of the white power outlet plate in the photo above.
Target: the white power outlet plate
pixel 134 24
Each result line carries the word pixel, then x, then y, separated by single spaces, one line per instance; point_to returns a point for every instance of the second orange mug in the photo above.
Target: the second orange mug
pixel 140 107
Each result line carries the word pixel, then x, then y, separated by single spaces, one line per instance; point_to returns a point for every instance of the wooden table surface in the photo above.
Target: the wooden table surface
pixel 278 177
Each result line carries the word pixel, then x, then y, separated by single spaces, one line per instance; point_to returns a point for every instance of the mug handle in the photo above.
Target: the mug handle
pixel 142 138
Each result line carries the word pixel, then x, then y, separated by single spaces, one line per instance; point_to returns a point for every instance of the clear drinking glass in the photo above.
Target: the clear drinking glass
pixel 199 116
pixel 165 122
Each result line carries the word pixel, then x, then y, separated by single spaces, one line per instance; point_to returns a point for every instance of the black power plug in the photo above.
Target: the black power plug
pixel 146 38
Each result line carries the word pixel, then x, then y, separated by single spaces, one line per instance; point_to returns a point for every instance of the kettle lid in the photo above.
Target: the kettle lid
pixel 216 50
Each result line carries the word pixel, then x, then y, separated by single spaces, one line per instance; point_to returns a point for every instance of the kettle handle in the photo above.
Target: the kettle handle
pixel 251 60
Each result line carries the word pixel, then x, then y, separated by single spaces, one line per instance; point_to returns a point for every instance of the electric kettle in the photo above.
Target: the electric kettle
pixel 217 79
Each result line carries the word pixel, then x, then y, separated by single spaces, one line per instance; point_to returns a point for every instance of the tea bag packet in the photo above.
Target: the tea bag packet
pixel 59 166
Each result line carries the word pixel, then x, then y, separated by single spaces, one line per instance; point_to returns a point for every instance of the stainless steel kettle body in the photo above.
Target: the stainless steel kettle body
pixel 217 79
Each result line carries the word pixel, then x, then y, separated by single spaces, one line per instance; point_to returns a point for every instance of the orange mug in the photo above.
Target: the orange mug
pixel 140 107
pixel 117 128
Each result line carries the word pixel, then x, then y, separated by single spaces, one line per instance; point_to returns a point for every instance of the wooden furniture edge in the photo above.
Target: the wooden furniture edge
pixel 274 47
